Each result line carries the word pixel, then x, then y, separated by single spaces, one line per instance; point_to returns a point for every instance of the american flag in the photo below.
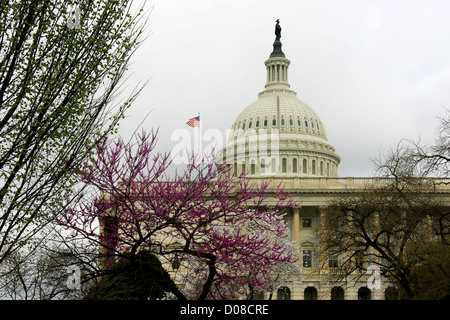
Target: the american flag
pixel 194 122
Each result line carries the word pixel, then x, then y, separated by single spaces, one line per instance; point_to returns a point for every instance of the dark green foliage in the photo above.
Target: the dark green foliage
pixel 139 278
pixel 431 273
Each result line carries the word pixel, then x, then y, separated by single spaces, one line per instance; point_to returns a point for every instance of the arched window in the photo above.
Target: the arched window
pixel 364 293
pixel 250 125
pixel 294 165
pixel 305 166
pixel 282 122
pixel 263 165
pixel 284 165
pixel 313 167
pixel 321 168
pixel 337 293
pixel 274 122
pixel 274 165
pixel 283 293
pixel 310 293
pixel 253 167
pixel 265 122
pixel 257 124
pixel 291 122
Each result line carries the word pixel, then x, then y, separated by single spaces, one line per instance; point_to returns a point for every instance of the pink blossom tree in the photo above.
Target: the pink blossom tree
pixel 228 230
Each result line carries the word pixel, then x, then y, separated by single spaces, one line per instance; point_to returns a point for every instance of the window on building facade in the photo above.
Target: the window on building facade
pixel 337 293
pixel 305 166
pixel 274 165
pixel 364 293
pixel 333 261
pixel 306 222
pixel 284 293
pixel 176 263
pixel 310 293
pixel 253 167
pixel 359 260
pixel 284 165
pixel 294 165
pixel 307 258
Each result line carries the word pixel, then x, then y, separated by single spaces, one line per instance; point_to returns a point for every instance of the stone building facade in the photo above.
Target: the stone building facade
pixel 280 139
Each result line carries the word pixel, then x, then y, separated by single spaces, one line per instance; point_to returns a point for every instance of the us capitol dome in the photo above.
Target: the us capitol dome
pixel 279 135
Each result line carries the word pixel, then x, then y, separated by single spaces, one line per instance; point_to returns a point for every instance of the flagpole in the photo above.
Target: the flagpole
pixel 200 147
pixel 196 123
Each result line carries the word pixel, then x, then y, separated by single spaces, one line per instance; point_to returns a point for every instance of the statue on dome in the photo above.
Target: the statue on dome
pixel 278 30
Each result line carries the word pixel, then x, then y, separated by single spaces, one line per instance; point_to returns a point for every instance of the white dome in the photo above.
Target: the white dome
pixel 279 134
pixel 282 111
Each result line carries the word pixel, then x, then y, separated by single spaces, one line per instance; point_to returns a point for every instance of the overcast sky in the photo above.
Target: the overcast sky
pixel 374 71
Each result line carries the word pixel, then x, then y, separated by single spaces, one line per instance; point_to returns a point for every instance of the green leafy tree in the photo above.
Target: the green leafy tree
pixel 432 271
pixel 61 65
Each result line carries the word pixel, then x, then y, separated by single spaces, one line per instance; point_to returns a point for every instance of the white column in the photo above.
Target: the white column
pixel 296 225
